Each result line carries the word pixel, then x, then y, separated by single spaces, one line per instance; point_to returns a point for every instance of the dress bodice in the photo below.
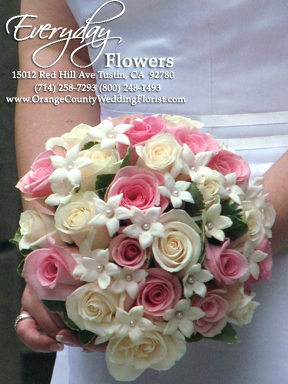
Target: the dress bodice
pixel 222 51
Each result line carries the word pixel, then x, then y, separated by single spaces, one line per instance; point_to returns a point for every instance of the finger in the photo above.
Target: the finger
pixel 49 322
pixel 69 337
pixel 28 331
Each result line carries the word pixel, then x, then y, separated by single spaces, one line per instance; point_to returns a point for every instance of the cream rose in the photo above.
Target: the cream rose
pixel 34 227
pixel 241 304
pixel 72 218
pixel 210 185
pixel 181 244
pixel 161 153
pixel 105 161
pixel 256 230
pixel 77 135
pixel 93 308
pixel 127 360
pixel 175 120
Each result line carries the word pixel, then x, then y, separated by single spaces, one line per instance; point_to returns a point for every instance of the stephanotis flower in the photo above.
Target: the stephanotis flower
pixel 194 280
pixel 94 265
pixel 215 223
pixel 181 317
pixel 109 213
pixel 132 323
pixel 176 191
pixel 145 225
pixel 127 280
pixel 253 257
pixel 230 189
pixel 69 167
pixel 110 135
pixel 192 163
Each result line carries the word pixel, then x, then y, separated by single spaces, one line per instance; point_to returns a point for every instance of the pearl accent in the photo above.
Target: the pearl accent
pixel 176 193
pixel 190 280
pixel 109 213
pixel 100 268
pixel 209 225
pixel 111 136
pixel 132 323
pixel 146 227
pixel 179 315
pixel 129 277
pixel 193 169
pixel 228 189
pixel 70 167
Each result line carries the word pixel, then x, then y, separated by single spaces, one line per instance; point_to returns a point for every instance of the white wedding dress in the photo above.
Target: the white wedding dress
pixel 231 64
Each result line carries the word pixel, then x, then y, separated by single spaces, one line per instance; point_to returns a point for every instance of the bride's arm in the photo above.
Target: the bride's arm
pixel 34 124
pixel 276 183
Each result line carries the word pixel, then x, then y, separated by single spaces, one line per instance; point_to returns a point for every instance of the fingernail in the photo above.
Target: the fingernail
pixel 57 347
pixel 64 340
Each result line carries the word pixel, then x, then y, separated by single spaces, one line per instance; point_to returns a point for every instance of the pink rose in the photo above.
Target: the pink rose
pixel 225 264
pixel 161 292
pixel 228 162
pixel 265 265
pixel 196 140
pixel 139 187
pixel 142 130
pixel 127 252
pixel 35 183
pixel 215 309
pixel 49 271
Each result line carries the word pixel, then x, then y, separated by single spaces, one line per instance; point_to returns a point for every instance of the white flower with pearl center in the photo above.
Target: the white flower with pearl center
pixel 132 323
pixel 194 280
pixel 145 225
pixel 69 168
pixel 215 223
pixel 127 280
pixel 94 265
pixel 181 317
pixel 110 135
pixel 176 191
pixel 109 213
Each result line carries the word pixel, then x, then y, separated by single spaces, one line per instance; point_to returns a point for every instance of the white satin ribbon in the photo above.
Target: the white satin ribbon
pixel 245 119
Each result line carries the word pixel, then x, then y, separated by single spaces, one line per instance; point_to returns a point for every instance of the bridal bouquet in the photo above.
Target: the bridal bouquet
pixel 151 237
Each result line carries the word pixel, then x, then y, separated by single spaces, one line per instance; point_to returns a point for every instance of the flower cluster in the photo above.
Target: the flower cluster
pixel 153 239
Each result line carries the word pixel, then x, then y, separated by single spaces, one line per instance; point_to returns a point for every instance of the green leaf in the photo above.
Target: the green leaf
pixel 17 238
pixel 55 305
pixel 194 338
pixel 88 145
pixel 20 268
pixel 198 206
pixel 60 306
pixel 234 212
pixel 228 335
pixel 85 337
pixel 103 182
pixel 127 158
pixel 150 261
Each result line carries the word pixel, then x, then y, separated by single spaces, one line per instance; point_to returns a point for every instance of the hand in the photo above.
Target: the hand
pixel 46 331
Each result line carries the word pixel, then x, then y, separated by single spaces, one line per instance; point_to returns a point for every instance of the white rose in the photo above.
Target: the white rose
pixel 127 360
pixel 105 161
pixel 210 185
pixel 72 218
pixel 181 244
pixel 241 305
pixel 172 121
pixel 161 153
pixel 256 230
pixel 34 227
pixel 77 135
pixel 93 308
